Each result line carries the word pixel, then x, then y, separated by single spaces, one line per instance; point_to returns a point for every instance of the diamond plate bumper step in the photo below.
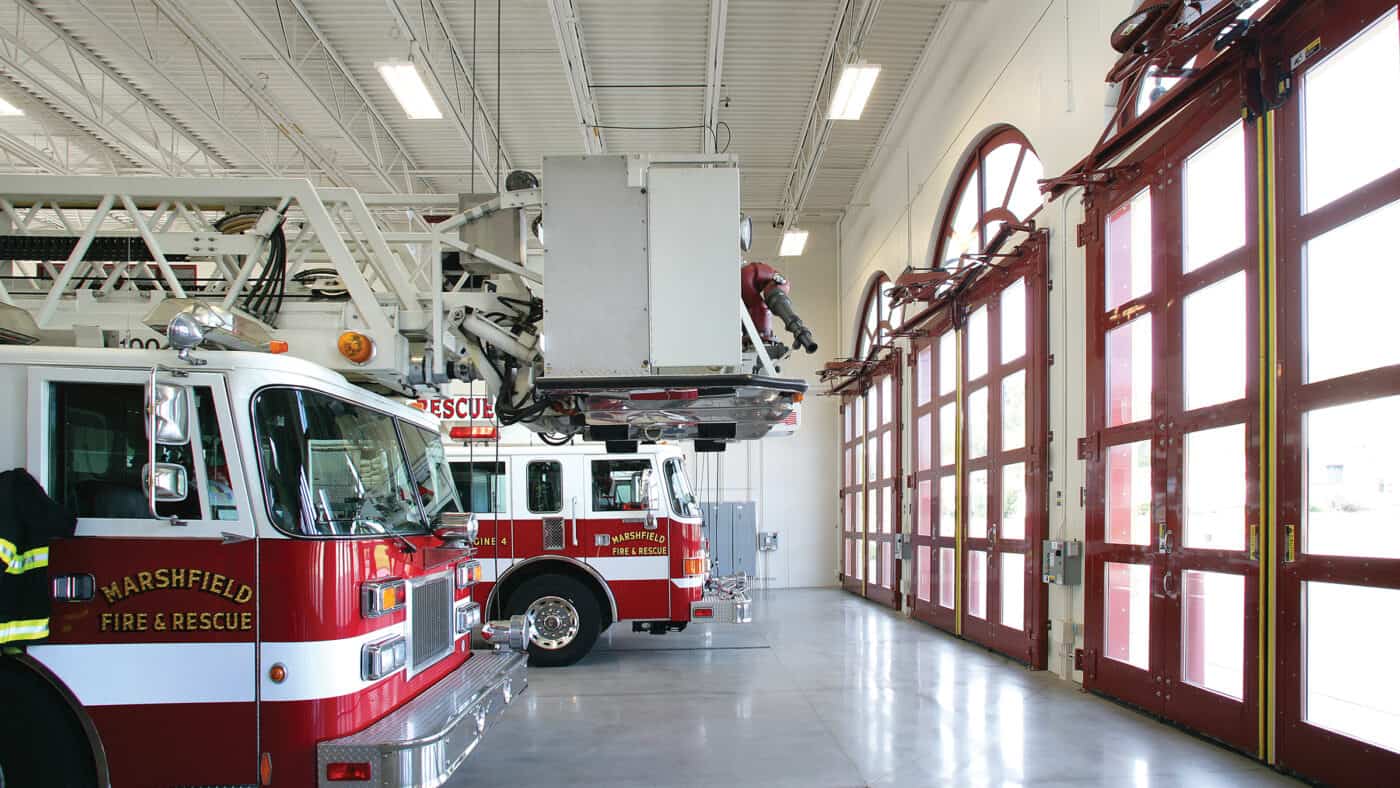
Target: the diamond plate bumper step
pixel 426 739
pixel 714 608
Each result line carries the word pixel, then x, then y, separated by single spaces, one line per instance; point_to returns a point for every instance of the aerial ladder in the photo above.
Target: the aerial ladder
pixel 605 301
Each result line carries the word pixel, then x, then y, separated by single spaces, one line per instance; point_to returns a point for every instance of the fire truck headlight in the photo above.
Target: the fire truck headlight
pixel 468 616
pixel 381 597
pixel 383 657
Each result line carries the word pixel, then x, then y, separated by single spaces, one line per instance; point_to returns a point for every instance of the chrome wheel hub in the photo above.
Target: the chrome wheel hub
pixel 553 622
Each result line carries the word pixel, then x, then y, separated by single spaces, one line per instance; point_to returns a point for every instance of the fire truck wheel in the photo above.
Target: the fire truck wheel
pixel 41 742
pixel 563 617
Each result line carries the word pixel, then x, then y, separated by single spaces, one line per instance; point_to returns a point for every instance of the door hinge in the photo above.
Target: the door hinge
pixel 1079 659
pixel 1087 232
pixel 1254 542
pixel 1089 447
pixel 1051 359
pixel 1290 543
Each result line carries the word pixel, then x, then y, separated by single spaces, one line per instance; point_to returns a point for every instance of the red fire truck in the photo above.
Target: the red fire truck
pixel 576 538
pixel 265 585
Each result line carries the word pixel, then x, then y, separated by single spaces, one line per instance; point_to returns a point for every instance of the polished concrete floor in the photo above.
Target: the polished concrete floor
pixel 825 689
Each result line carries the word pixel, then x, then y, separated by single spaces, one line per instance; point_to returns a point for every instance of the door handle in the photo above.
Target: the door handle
pixel 573 519
pixel 1167 590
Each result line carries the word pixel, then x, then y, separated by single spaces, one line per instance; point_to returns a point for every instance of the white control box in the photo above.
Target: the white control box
pixel 641 267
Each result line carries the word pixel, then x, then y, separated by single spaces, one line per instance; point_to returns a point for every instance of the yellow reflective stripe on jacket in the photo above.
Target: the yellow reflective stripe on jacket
pixel 33 559
pixel 30 629
pixel 8 552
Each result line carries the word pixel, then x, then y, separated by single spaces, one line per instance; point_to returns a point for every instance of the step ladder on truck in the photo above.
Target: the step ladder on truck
pixel 270 573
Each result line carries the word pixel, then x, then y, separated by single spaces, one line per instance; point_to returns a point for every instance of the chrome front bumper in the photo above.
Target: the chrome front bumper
pixel 426 739
pixel 716 609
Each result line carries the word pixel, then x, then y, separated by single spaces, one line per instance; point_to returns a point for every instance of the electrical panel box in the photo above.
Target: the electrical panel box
pixel 732 528
pixel 767 541
pixel 641 267
pixel 1062 562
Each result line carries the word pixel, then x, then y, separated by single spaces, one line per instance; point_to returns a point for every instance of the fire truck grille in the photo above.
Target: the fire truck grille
pixel 554 533
pixel 431 621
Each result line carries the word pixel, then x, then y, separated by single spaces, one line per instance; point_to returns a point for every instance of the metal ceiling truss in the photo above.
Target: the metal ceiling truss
pixel 714 75
pixel 305 55
pixel 21 155
pixel 255 134
pixel 435 51
pixel 568 34
pixel 45 60
pixel 853 23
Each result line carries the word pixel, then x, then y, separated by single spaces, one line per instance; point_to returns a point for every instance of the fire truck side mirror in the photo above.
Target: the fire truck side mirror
pixel 457 529
pixel 171 482
pixel 168 406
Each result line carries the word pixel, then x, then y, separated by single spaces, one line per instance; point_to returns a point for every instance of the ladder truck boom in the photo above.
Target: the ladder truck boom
pixel 627 325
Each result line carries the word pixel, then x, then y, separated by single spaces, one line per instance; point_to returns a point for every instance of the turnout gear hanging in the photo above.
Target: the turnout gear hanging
pixel 29 520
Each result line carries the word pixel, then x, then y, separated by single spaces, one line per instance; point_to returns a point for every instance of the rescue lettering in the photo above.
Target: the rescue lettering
pixel 175 578
pixel 459 407
pixel 191 621
pixel 643 550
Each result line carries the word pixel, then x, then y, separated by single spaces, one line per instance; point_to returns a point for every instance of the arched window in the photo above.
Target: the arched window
pixel 877 318
pixel 999 185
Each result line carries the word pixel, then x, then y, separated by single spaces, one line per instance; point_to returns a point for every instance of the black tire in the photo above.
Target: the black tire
pixel 41 741
pixel 579 598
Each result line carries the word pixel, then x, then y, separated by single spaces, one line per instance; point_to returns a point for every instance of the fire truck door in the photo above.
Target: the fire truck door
pixel 549 509
pixel 628 533
pixel 159 647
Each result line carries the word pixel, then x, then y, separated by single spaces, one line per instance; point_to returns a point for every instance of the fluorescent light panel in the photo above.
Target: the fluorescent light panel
pixel 794 241
pixel 857 80
pixel 408 87
pixel 6 108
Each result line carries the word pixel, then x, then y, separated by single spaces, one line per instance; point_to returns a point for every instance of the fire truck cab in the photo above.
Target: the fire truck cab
pixel 266 585
pixel 576 539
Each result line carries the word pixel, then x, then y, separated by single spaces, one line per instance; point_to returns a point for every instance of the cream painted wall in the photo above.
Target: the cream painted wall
pixel 794 478
pixel 1037 65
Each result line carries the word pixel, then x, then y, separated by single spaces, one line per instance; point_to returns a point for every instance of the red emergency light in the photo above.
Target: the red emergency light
pixel 666 394
pixel 473 432
pixel 346 772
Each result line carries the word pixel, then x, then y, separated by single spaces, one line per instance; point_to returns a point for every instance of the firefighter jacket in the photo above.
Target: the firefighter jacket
pixel 29 518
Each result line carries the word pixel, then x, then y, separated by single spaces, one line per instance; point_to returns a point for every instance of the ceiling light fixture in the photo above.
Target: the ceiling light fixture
pixel 408 87
pixel 6 108
pixel 857 80
pixel 794 241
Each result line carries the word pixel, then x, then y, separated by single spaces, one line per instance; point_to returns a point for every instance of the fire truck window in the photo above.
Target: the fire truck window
pixel 97 448
pixel 482 485
pixel 431 473
pixel 331 467
pixel 682 498
pixel 223 504
pixel 544 487
pixel 623 486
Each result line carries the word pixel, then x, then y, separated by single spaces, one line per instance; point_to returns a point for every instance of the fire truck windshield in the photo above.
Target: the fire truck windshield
pixel 334 468
pixel 682 499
